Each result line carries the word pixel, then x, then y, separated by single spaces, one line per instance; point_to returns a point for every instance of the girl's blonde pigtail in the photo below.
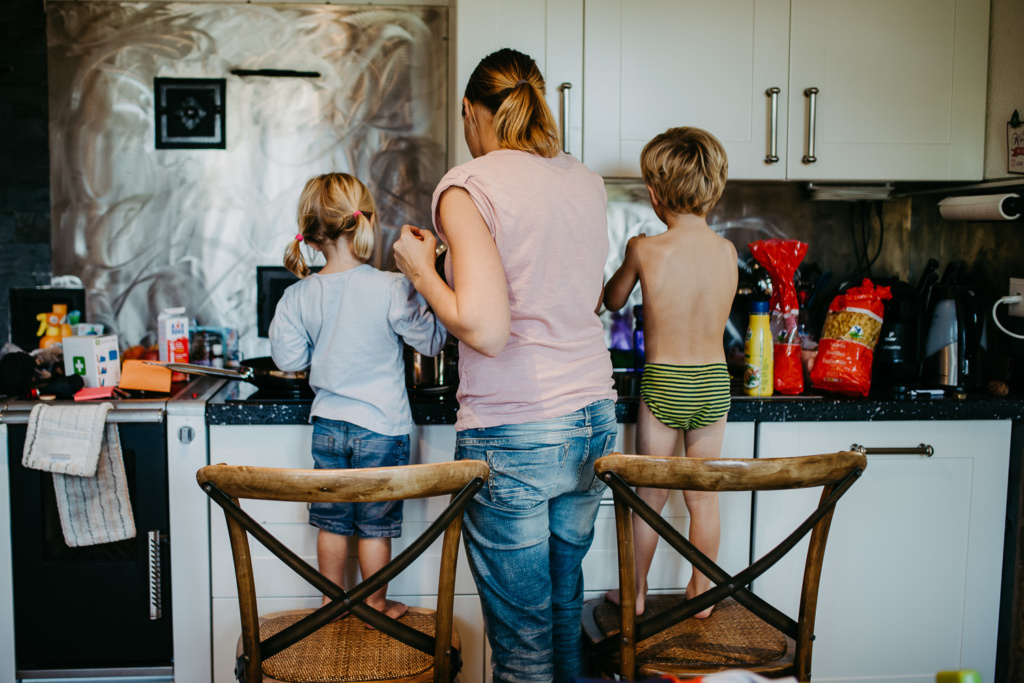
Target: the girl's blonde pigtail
pixel 294 261
pixel 363 237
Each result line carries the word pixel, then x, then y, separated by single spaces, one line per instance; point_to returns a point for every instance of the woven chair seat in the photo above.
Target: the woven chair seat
pixel 345 650
pixel 732 637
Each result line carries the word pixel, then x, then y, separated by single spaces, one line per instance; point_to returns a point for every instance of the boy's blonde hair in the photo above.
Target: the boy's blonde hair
pixel 686 168
pixel 327 210
pixel 509 84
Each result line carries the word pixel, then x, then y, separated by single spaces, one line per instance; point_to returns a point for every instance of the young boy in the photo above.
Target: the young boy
pixel 688 278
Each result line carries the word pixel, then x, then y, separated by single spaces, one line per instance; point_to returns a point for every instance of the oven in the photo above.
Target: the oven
pixel 102 610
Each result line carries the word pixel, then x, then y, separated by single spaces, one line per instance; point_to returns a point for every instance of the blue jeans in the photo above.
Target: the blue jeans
pixel 526 533
pixel 339 445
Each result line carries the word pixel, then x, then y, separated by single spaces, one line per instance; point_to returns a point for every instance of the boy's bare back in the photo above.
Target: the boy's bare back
pixel 688 279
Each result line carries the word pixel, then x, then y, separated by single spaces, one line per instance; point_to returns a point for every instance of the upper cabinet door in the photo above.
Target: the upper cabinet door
pixel 650 65
pixel 900 89
pixel 550 31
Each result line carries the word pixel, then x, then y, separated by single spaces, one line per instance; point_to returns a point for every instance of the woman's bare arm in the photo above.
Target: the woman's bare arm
pixel 476 310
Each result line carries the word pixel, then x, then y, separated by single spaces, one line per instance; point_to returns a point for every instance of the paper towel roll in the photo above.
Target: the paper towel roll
pixel 988 207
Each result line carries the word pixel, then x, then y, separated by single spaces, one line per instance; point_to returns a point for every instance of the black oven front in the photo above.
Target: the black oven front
pixel 94 610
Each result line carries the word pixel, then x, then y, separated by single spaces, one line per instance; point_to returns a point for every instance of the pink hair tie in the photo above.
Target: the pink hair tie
pixel 298 236
pixel 356 213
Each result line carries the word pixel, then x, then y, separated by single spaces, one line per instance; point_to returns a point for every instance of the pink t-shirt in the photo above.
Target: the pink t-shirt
pixel 548 219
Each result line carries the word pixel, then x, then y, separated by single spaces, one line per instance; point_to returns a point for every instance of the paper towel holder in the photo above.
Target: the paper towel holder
pixel 989 207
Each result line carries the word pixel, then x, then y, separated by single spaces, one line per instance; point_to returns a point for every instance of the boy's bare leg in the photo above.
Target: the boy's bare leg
pixel 331 556
pixel 653 437
pixel 373 554
pixel 705 523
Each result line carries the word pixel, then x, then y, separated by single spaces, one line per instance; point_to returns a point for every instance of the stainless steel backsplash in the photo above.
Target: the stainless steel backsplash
pixel 148 228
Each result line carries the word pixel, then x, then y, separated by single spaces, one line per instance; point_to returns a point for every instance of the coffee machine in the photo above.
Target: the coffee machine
pixel 955 342
pixel 896 366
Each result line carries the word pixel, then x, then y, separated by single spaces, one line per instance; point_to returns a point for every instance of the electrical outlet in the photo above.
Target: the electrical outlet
pixel 1017 288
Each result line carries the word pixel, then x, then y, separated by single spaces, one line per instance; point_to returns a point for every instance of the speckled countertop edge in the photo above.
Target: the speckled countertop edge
pixel 442 410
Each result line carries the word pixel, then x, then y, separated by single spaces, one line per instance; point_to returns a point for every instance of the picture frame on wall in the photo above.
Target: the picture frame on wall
pixel 190 113
pixel 1015 144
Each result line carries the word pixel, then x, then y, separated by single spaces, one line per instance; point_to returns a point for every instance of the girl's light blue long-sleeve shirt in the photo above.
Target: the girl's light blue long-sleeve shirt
pixel 348 328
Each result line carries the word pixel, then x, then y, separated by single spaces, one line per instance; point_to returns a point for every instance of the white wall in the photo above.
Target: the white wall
pixel 1005 81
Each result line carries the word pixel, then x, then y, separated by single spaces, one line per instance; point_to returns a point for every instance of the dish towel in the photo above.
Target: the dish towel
pixel 75 443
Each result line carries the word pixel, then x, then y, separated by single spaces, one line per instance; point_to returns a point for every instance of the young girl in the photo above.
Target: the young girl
pixel 346 324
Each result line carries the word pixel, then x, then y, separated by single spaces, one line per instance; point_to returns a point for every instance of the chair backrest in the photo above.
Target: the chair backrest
pixel 226 484
pixel 835 473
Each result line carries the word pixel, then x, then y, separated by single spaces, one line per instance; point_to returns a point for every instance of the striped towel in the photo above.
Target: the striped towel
pixel 83 452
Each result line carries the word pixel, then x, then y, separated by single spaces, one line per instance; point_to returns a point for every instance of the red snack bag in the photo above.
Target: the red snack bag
pixel 848 339
pixel 781 259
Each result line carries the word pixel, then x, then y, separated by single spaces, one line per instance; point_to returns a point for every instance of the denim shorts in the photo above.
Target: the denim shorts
pixel 342 445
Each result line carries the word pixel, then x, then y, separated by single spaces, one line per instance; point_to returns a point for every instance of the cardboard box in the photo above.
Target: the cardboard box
pixel 94 358
pixel 172 338
pixel 172 335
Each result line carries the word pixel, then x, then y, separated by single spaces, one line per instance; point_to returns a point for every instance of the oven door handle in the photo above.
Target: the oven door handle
pixel 156 590
pixel 118 415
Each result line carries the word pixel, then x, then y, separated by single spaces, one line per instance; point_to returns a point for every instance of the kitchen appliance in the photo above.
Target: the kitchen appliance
pixel 125 610
pixel 271 281
pixel 95 607
pixel 896 366
pixel 955 343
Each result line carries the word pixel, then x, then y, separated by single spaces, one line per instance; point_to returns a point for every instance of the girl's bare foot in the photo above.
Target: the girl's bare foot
pixel 692 593
pixel 324 601
pixel 613 597
pixel 392 608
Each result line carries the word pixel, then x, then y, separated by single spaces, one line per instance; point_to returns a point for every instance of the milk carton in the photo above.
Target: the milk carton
pixel 172 337
pixel 94 358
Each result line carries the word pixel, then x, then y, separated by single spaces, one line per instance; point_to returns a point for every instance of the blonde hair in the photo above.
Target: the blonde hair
pixel 333 205
pixel 686 168
pixel 509 84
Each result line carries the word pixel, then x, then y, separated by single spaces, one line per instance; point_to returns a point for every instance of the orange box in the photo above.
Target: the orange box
pixel 137 374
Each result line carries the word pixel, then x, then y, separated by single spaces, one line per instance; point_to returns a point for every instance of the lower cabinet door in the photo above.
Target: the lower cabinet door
pixel 669 571
pixel 911 576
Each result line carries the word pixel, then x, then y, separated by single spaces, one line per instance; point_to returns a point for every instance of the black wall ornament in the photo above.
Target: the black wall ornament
pixel 190 113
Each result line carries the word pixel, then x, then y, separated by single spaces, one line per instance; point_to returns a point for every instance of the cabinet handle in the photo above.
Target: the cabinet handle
pixel 811 95
pixel 922 449
pixel 563 97
pixel 773 140
pixel 156 594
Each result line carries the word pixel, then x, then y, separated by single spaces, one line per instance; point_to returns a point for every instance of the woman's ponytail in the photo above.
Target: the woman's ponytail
pixel 524 121
pixel 510 85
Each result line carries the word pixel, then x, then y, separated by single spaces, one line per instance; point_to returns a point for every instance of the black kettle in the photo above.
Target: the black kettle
pixel 955 342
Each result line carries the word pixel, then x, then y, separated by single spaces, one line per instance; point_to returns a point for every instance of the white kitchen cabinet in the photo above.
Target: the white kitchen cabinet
pixel 901 89
pixel 278 588
pixel 650 65
pixel 911 576
pixel 901 85
pixel 670 572
pixel 550 31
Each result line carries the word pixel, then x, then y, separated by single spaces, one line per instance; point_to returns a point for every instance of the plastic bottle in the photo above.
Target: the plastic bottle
pixel 758 373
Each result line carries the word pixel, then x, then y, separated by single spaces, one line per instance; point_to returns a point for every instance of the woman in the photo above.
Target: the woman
pixel 526 230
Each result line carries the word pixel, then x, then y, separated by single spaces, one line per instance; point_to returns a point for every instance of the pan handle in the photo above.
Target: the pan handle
pixel 207 370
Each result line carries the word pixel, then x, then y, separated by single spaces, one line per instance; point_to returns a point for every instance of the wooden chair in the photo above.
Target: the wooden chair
pixel 743 631
pixel 315 645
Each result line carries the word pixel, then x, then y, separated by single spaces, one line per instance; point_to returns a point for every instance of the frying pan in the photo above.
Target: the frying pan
pixel 261 372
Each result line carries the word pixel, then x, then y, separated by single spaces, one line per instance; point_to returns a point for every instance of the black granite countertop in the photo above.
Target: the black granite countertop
pixel 234 405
